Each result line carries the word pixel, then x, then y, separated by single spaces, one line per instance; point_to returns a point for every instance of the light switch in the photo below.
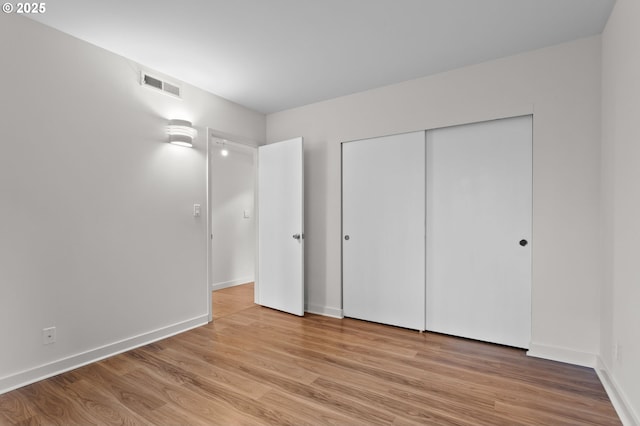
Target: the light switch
pixel 247 215
pixel 196 210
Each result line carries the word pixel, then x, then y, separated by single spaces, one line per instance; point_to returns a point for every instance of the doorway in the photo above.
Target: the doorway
pixel 232 225
pixel 255 220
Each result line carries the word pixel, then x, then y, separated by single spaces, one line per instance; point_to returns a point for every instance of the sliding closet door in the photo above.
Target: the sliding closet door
pixel 479 200
pixel 383 210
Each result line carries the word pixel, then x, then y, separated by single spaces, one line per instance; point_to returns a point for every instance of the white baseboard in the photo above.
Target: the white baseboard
pixel 569 356
pixel 618 398
pixel 620 402
pixel 32 375
pixel 324 310
pixel 232 283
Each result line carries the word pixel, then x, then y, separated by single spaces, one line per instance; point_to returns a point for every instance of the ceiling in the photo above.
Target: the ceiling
pixel 271 55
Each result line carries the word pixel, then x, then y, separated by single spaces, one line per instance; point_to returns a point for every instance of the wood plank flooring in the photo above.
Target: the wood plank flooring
pixel 232 299
pixel 255 366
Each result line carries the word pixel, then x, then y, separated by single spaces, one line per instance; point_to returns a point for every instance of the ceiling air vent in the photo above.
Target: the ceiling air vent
pixel 156 83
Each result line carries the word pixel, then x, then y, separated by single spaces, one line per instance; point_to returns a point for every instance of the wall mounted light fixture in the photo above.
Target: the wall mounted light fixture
pixel 181 133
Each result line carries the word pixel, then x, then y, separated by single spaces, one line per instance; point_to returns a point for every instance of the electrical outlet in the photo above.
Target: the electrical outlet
pixel 48 335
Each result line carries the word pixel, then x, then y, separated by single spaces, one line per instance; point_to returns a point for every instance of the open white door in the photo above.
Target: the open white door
pixel 281 226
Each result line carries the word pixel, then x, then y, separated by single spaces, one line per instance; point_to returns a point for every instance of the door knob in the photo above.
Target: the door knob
pixel 524 242
pixel 346 237
pixel 296 236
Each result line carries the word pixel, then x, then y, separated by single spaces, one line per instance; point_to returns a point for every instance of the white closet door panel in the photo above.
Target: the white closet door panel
pixel 383 217
pixel 479 201
pixel 281 226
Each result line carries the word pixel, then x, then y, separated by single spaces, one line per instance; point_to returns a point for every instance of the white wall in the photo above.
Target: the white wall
pixel 234 238
pixel 560 85
pixel 621 201
pixel 97 235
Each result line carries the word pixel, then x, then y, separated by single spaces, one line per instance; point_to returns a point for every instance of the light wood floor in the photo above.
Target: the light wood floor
pixel 258 366
pixel 232 300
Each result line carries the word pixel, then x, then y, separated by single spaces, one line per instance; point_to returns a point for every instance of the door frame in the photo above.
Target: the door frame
pixel 234 141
